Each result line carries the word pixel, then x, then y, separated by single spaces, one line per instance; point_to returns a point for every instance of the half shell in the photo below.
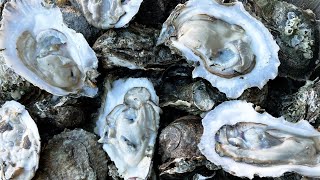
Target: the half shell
pixel 107 14
pixel 128 125
pixel 19 142
pixel 246 143
pixel 41 48
pixel 230 48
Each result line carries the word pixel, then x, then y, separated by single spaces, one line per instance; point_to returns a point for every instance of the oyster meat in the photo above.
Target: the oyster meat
pixel 19 142
pixel 128 125
pixel 229 48
pixel 246 143
pixel 107 14
pixel 49 55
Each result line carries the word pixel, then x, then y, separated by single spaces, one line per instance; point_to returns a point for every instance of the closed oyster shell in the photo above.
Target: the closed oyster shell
pixel 295 31
pixel 178 148
pixel 107 14
pixel 246 143
pixel 128 124
pixel 230 48
pixel 49 55
pixel 73 154
pixel 19 142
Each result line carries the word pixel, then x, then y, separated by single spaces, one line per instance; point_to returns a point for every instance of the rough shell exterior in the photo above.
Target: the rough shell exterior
pixel 134 48
pixel 73 154
pixel 259 43
pixel 128 125
pixel 49 55
pixel 19 142
pixel 296 33
pixel 246 143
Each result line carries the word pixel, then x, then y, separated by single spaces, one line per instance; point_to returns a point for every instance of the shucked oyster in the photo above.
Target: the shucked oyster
pixel 128 125
pixel 41 48
pixel 107 14
pixel 246 143
pixel 230 48
pixel 19 143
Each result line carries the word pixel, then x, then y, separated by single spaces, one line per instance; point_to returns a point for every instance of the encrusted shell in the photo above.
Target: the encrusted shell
pixel 230 48
pixel 42 49
pixel 107 14
pixel 246 143
pixel 19 142
pixel 128 124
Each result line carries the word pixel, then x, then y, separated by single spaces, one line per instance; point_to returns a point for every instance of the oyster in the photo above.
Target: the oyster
pixel 178 148
pixel 229 48
pixel 133 47
pixel 49 55
pixel 246 143
pixel 295 30
pixel 73 154
pixel 107 14
pixel 19 142
pixel 128 125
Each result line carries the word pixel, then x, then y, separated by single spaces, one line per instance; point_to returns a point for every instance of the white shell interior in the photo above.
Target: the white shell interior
pixel 117 132
pixel 261 42
pixel 107 14
pixel 233 112
pixel 41 48
pixel 19 142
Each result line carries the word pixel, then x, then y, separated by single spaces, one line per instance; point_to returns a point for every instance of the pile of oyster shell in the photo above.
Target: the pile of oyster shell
pixel 159 89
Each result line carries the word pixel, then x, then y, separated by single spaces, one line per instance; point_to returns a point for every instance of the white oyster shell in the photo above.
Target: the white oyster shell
pixel 247 143
pixel 41 48
pixel 107 14
pixel 230 48
pixel 19 142
pixel 128 125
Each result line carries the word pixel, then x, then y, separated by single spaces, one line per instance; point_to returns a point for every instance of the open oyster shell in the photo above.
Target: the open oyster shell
pixel 19 142
pixel 128 124
pixel 230 48
pixel 107 14
pixel 246 143
pixel 44 51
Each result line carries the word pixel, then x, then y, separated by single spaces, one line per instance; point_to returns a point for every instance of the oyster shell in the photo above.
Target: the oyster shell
pixel 230 48
pixel 128 124
pixel 19 142
pixel 49 55
pixel 134 48
pixel 178 148
pixel 73 154
pixel 295 31
pixel 246 143
pixel 107 14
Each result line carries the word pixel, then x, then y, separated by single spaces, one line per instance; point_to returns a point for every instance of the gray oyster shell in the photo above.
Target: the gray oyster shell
pixel 133 47
pixel 73 154
pixel 178 148
pixel 296 34
pixel 12 85
pixel 305 104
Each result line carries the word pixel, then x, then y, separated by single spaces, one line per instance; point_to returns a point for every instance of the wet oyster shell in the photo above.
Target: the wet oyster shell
pixel 73 154
pixel 295 31
pixel 133 47
pixel 178 148
pixel 108 13
pixel 128 123
pixel 305 104
pixel 49 55
pixel 246 143
pixel 19 142
pixel 254 57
